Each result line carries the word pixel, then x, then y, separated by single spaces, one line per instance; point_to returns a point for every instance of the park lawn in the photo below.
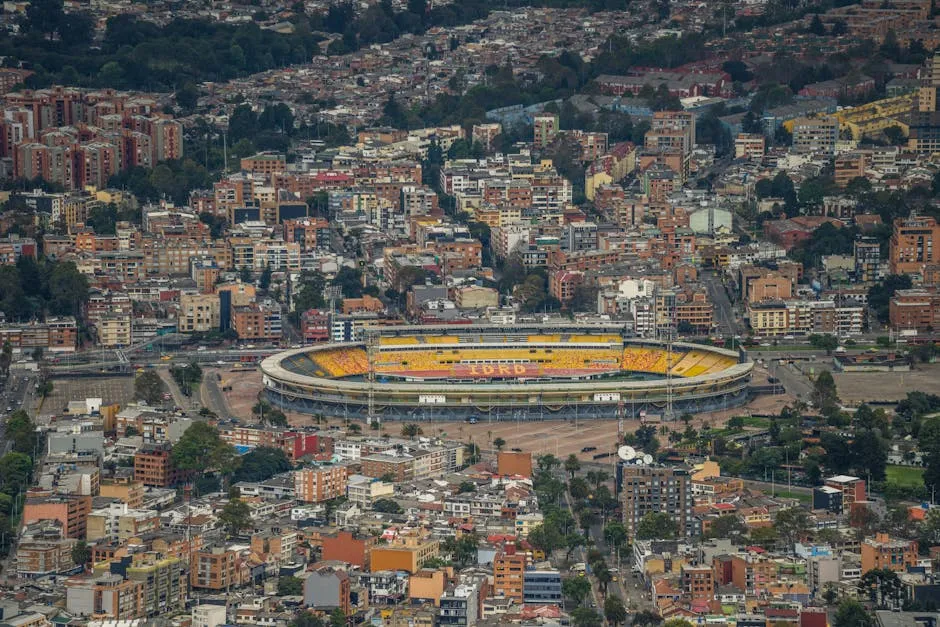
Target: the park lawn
pixel 756 421
pixel 905 475
pixel 802 498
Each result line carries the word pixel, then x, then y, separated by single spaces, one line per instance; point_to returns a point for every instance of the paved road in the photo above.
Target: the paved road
pixel 211 396
pixel 179 399
pixel 724 311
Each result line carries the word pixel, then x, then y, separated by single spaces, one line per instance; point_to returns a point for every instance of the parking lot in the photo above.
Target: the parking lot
pixel 109 389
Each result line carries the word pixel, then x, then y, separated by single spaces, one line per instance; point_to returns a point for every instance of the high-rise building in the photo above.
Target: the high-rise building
pixel 545 128
pixel 913 244
pixel 656 489
pixel 924 134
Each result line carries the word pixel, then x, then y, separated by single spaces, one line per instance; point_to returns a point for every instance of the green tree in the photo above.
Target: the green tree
pixel 387 506
pixel 6 358
pixel 851 613
pixel 149 387
pixel 466 487
pixel 411 430
pixel 572 465
pixel 499 443
pixel 727 526
pixel 16 471
pixel 656 526
pixel 883 587
pixel 615 534
pixel 262 463
pixel 235 516
pixel 290 586
pixel 576 588
pixel 21 430
pixel 614 611
pixel 81 553
pixel 677 622
pixel 578 488
pixel 586 617
pixel 338 618
pixel 547 462
pixel 546 537
pixel 792 524
pixel 824 394
pixel 825 341
pixel 201 449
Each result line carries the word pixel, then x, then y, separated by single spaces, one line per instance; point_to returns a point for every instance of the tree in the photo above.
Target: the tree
pixel 235 516
pixel 614 611
pixel 677 622
pixel 656 526
pixel 869 454
pixel 572 465
pixel 149 387
pixel 499 443
pixel 597 477
pixel 578 488
pixel 6 358
pixel 547 538
pixel 262 463
pixel 21 430
pixel 824 341
pixel 824 393
pixel 727 526
pixel 463 550
pixel 646 617
pixel 81 553
pixel 16 472
pixel 883 587
pixel 411 430
pixel 792 525
pixel 466 487
pixel 547 462
pixel 576 588
pixel 585 617
pixel 851 613
pixel 387 506
pixel 290 586
pixel 615 534
pixel 201 449
pixel 338 618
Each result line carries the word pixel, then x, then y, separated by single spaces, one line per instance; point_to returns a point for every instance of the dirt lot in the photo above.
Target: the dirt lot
pixel 110 389
pixel 550 436
pixel 858 387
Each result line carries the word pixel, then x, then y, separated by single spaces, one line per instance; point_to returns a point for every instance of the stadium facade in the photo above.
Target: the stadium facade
pixel 496 373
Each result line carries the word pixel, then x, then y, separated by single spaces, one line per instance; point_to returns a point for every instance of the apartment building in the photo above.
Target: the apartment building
pixel 815 134
pixel 407 553
pixel 885 552
pixel 320 483
pixel 153 467
pixel 107 596
pixel 199 313
pixel 917 308
pixel 652 489
pixel 215 568
pixel 508 574
pixel 913 246
pixel 70 510
pixel 257 321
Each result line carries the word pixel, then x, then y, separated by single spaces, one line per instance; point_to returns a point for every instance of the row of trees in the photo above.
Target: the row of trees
pixel 16 471
pixel 32 289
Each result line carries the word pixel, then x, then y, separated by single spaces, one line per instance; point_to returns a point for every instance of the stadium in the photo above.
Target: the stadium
pixel 494 373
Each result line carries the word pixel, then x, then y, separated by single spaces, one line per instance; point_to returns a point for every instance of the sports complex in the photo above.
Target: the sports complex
pixel 498 373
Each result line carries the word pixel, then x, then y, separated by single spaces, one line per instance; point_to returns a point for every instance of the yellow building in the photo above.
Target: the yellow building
pixel 408 553
pixel 871 119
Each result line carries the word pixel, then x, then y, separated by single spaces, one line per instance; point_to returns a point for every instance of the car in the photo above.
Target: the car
pixel 472 421
pixel 517 450
pixel 588 449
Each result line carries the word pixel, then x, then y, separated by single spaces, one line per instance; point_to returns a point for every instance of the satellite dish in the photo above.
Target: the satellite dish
pixel 626 453
pixel 647 459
